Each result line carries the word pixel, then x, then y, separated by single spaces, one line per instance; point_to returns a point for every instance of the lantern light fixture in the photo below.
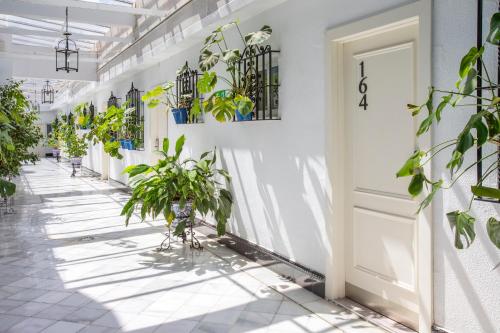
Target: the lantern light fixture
pixel 47 93
pixel 67 53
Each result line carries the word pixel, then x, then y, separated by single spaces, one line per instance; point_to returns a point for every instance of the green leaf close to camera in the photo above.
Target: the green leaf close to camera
pixel 426 202
pixel 463 226
pixel 411 165
pixel 414 109
pixel 494 33
pixel 165 145
pixel 493 229
pixel 470 84
pixel 485 192
pixel 426 124
pixel 179 144
pixel 416 185
pixel 259 37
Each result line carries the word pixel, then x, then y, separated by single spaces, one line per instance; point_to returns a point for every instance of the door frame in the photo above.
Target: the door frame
pixel 420 12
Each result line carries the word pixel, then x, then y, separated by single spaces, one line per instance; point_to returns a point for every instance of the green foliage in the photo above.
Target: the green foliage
pixel 19 132
pixel 74 145
pixel 108 126
pixel 82 117
pixel 165 95
pixel 222 104
pixel 157 187
pixel 54 138
pixel 482 128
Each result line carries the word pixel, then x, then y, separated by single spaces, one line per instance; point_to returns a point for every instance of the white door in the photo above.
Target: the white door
pixel 380 223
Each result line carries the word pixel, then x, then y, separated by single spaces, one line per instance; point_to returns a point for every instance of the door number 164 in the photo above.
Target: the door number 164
pixel 363 87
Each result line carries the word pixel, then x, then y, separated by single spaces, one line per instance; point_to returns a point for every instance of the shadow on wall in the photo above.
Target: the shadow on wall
pixel 449 257
pixel 289 211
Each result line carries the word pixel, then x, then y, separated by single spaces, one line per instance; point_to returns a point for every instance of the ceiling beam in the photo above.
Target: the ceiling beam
pixel 74 36
pixel 40 52
pixel 81 15
pixel 100 7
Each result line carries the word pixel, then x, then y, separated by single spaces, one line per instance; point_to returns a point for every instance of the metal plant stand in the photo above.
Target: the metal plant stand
pixel 183 216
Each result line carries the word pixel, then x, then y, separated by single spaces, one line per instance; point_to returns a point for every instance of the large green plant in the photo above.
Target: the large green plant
pixel 74 145
pixel 482 129
pixel 53 139
pixel 156 188
pixel 238 81
pixel 19 132
pixel 108 126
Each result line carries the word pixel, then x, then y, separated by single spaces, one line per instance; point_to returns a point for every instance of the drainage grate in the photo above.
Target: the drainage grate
pixel 86 239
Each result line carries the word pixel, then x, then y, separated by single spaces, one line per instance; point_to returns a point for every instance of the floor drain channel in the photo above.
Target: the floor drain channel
pixel 86 239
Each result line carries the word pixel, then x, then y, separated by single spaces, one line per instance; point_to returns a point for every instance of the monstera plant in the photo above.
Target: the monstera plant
pixel 238 81
pixel 481 130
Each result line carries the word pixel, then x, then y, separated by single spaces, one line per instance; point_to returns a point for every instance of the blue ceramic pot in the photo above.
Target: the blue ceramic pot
pixel 180 115
pixel 240 117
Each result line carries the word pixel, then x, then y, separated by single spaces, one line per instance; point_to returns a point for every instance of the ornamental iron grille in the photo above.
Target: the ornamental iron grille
pixel 47 93
pixel 259 65
pixel 480 173
pixel 135 121
pixel 67 53
pixel 91 112
pixel 113 100
pixel 186 91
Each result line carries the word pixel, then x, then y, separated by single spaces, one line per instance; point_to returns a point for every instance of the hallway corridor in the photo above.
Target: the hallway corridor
pixel 68 264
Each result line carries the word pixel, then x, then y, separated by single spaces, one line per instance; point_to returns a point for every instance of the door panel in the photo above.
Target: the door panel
pixel 379 80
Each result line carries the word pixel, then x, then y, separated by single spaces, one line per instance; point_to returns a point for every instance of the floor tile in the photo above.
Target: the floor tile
pixel 53 279
pixel 63 327
pixel 31 325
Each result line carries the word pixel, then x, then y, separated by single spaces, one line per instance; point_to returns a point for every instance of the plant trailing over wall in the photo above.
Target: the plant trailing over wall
pixel 107 126
pixel 19 132
pixel 482 129
pixel 239 81
pixel 156 188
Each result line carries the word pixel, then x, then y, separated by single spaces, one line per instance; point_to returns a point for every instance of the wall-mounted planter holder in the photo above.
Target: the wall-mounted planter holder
pixel 134 99
pixel 186 92
pixel 260 66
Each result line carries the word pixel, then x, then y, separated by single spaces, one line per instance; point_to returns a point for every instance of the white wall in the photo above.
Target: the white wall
pixel 280 180
pixel 278 167
pixel 466 285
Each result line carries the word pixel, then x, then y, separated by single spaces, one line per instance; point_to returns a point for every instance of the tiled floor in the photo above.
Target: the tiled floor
pixel 55 279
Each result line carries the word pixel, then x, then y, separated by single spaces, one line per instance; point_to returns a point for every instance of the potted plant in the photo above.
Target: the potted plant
pixel 180 189
pixel 236 99
pixel 106 126
pixel 53 139
pixel 181 107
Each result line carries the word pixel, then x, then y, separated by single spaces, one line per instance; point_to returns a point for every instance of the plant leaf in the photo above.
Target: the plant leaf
pixel 416 185
pixel 411 165
pixel 259 37
pixel 179 144
pixel 463 226
pixel 484 191
pixel 208 60
pixel 435 187
pixel 494 34
pixel 493 228
pixel 165 146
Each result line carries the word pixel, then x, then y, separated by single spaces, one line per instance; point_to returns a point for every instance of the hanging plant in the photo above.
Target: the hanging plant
pixel 108 126
pixel 239 82
pixel 482 129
